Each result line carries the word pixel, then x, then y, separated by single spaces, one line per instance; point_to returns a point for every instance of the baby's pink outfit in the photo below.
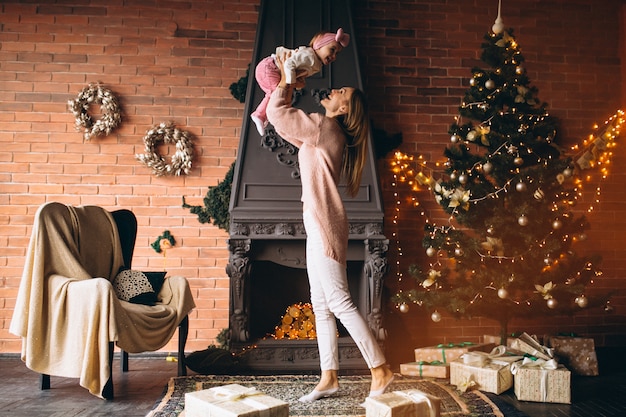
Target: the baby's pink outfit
pixel 267 75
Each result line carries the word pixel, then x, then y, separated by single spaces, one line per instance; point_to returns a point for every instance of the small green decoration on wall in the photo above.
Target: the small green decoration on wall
pixel 163 242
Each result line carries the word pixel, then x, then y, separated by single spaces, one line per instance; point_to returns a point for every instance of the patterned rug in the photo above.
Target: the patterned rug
pixel 352 392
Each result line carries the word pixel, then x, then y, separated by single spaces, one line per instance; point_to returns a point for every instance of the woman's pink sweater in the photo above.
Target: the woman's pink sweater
pixel 321 143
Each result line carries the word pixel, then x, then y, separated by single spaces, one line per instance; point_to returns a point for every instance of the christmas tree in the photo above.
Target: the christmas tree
pixel 510 246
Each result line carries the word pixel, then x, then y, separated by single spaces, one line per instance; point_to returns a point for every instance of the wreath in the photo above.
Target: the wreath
pixel 180 162
pixel 109 105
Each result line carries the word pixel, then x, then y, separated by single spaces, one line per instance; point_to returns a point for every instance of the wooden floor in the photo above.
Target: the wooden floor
pixel 137 391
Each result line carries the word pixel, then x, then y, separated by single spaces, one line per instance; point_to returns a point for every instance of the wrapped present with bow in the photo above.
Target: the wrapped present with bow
pixel 529 344
pixel 434 369
pixel 448 352
pixel 541 380
pixel 233 400
pixel 490 372
pixel 578 354
pixel 408 403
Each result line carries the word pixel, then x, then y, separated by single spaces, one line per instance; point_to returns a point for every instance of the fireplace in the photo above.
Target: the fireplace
pixel 267 238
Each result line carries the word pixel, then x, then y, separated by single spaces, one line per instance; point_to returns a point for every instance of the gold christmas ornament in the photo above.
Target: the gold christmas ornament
pixel 582 301
pixel 503 293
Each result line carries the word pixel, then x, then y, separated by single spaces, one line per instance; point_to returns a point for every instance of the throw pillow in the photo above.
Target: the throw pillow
pixel 137 287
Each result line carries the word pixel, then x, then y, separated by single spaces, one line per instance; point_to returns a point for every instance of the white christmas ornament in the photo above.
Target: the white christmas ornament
pixel 436 317
pixel 490 84
pixel 552 303
pixel 503 293
pixel 431 251
pixel 522 220
pixel 404 308
pixel 498 25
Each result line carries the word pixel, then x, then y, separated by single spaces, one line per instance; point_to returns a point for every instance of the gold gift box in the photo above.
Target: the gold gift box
pixel 428 369
pixel 233 400
pixel 543 385
pixel 493 377
pixel 448 352
pixel 408 403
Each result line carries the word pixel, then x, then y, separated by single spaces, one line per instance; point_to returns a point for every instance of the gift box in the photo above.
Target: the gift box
pixel 430 369
pixel 531 345
pixel 494 376
pixel 408 403
pixel 543 381
pixel 578 354
pixel 488 338
pixel 448 352
pixel 233 401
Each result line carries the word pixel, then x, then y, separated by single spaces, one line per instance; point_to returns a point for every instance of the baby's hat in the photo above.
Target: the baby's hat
pixel 342 39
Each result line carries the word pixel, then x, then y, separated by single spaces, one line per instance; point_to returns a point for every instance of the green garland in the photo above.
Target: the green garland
pixel 216 203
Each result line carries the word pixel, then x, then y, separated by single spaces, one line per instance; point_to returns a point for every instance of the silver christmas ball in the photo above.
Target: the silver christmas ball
pixel 472 82
pixel 557 224
pixel 453 176
pixel 522 220
pixel 503 293
pixel 463 178
pixel 519 70
pixel 458 251
pixel 552 303
pixel 487 167
pixel 490 84
pixel 454 138
pixel 430 251
pixel 520 186
pixel 582 301
pixel 404 308
pixel 436 317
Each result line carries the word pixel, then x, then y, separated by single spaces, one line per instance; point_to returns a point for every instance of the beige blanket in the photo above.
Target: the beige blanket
pixel 66 310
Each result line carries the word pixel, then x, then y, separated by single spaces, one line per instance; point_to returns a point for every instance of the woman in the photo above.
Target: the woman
pixel 331 146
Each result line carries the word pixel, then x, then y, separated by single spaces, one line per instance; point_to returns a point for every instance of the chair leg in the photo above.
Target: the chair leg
pixel 124 360
pixel 183 331
pixel 107 391
pixel 45 381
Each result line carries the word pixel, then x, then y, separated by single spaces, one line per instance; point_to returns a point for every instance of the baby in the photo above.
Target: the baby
pixel 301 62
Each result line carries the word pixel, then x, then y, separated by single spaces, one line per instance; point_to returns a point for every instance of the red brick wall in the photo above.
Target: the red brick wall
pixel 174 60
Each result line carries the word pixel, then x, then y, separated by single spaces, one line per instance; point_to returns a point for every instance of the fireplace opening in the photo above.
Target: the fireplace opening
pixel 274 287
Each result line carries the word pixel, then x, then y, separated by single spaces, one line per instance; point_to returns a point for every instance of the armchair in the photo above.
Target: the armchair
pixel 67 311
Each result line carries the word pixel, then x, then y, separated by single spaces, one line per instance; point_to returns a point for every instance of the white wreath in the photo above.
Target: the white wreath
pixel 110 107
pixel 166 133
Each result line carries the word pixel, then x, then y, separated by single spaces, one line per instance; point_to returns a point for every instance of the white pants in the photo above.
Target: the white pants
pixel 330 297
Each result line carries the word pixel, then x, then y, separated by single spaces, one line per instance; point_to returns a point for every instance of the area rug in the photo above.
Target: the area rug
pixel 346 403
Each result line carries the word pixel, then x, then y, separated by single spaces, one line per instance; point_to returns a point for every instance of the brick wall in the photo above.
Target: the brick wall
pixel 174 61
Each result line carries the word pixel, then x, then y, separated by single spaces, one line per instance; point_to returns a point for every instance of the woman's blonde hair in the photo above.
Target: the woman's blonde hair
pixel 357 127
